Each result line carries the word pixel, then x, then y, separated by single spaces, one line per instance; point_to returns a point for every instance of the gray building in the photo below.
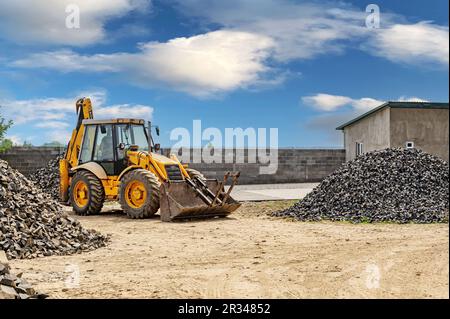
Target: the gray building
pixel 420 125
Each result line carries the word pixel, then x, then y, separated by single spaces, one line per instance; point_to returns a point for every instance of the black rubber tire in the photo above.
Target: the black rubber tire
pixel 96 193
pixel 193 173
pixel 152 186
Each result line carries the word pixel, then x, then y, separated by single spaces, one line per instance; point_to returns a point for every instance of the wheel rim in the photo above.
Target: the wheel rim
pixel 80 194
pixel 135 194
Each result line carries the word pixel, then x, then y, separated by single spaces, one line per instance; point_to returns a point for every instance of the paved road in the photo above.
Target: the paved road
pixel 263 192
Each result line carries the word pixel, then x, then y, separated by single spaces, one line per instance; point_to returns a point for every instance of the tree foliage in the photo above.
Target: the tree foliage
pixel 5 143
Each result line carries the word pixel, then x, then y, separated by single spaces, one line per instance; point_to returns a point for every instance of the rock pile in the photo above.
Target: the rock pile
pixel 15 287
pixel 32 225
pixel 395 185
pixel 47 178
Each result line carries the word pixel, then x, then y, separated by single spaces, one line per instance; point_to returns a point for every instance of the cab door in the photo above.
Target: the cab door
pixel 87 146
pixel 122 137
pixel 104 148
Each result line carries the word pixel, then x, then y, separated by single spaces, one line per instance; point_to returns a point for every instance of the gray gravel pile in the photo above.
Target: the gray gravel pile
pixel 32 225
pixel 15 287
pixel 394 185
pixel 47 178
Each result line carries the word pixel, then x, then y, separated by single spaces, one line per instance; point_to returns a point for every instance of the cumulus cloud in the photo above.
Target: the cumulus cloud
pixel 30 21
pixel 300 30
pixel 69 61
pixel 251 39
pixel 36 110
pixel 413 43
pixel 307 29
pixel 52 125
pixel 201 65
pixel 329 102
pixel 326 102
pixel 365 103
pixel 55 116
pixel 124 110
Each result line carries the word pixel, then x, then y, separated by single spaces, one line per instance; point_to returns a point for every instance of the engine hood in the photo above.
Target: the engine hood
pixel 163 159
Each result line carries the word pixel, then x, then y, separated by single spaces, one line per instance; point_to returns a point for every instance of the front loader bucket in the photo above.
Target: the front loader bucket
pixel 180 200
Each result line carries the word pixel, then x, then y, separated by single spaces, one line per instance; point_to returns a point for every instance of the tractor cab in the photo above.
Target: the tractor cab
pixel 106 142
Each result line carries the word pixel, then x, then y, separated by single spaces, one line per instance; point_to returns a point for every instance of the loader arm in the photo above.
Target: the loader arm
pixel 84 111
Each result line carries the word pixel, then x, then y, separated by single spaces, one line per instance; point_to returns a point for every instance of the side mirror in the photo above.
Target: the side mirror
pixel 157 147
pixel 121 146
pixel 157 130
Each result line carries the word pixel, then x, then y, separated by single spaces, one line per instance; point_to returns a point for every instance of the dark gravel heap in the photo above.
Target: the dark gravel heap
pixel 32 224
pixel 394 185
pixel 15 287
pixel 47 178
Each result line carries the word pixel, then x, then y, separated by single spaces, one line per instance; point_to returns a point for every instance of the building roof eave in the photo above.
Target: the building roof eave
pixel 399 105
pixel 356 119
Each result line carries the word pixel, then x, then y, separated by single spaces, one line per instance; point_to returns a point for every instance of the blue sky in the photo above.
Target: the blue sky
pixel 300 66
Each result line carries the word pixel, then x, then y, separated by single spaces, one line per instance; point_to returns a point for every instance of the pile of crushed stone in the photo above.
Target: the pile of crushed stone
pixel 14 286
pixel 47 178
pixel 32 224
pixel 391 185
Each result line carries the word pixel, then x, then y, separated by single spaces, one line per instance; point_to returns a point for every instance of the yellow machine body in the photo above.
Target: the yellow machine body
pixel 146 179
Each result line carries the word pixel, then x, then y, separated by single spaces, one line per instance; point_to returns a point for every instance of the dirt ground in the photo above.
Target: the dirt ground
pixel 249 255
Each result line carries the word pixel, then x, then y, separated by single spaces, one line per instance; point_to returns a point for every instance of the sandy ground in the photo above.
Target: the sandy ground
pixel 249 255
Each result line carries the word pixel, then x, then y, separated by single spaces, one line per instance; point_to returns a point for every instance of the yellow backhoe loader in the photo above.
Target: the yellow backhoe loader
pixel 118 160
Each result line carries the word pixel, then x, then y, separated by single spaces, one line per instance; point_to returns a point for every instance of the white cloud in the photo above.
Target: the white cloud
pixel 300 30
pixel 30 21
pixel 15 139
pixel 55 116
pixel 252 38
pixel 328 102
pixel 52 125
pixel 37 110
pixel 69 61
pixel 366 103
pixel 58 135
pixel 308 29
pixel 411 99
pixel 201 65
pixel 412 43
pixel 124 111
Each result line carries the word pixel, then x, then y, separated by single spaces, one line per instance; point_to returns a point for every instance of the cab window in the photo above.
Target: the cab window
pixel 132 134
pixel 139 137
pixel 104 150
pixel 88 144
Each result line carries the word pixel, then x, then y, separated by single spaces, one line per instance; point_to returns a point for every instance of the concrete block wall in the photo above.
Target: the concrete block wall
pixel 28 159
pixel 294 165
